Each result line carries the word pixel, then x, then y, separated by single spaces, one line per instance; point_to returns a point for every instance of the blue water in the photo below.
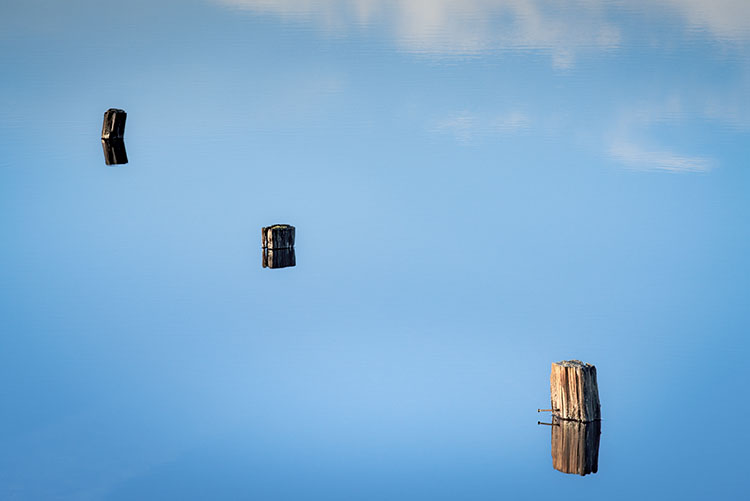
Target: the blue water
pixel 480 188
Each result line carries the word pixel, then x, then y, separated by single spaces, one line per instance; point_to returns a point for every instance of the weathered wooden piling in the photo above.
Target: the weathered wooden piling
pixel 114 151
pixel 575 446
pixel 278 236
pixel 114 124
pixel 279 258
pixel 574 391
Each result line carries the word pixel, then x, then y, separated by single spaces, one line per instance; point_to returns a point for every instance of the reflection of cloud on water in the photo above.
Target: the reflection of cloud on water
pixel 638 157
pixel 632 140
pixel 462 27
pixel 724 19
pixel 466 126
pixel 565 30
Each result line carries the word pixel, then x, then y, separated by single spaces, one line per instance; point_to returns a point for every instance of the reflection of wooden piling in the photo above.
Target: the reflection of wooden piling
pixel 575 446
pixel 114 124
pixel 114 151
pixel 279 258
pixel 278 236
pixel 574 391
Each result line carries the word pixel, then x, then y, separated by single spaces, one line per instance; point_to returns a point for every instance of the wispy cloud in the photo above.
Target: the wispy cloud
pixel 565 31
pixel 561 28
pixel 640 158
pixel 466 126
pixel 632 138
pixel 727 20
pixel 462 27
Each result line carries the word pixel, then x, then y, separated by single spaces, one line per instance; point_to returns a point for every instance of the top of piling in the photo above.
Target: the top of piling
pixel 573 363
pixel 113 126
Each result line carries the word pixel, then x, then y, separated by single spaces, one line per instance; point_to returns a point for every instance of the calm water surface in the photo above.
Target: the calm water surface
pixel 479 188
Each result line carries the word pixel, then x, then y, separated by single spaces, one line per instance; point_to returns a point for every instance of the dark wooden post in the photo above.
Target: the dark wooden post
pixel 279 258
pixel 114 151
pixel 574 391
pixel 114 124
pixel 575 446
pixel 278 246
pixel 278 236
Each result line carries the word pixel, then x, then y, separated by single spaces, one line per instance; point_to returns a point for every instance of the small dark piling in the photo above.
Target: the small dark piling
pixel 278 236
pixel 114 124
pixel 278 246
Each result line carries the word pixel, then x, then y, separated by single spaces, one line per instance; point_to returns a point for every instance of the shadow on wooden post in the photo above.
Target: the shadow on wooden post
pixel 278 246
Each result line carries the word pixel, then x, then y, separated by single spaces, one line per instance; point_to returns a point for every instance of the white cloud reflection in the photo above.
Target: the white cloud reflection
pixel 461 27
pixel 564 31
pixel 727 20
pixel 466 126
pixel 638 157
pixel 632 140
pixel 561 28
